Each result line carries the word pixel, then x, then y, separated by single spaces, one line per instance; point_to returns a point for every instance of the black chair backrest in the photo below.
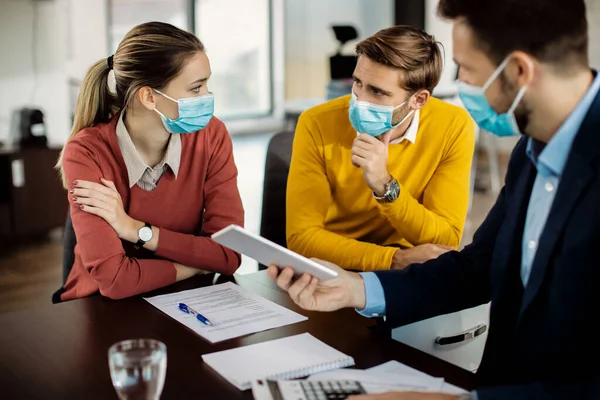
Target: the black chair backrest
pixel 277 166
pixel 69 242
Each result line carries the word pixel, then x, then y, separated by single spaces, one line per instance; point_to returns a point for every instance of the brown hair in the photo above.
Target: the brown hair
pixel 409 49
pixel 553 31
pixel 151 54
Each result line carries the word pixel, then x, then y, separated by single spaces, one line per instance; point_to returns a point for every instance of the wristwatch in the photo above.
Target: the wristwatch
pixel 144 235
pixel 392 191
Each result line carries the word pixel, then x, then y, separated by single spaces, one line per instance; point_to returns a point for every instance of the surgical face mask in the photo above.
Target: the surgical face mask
pixel 194 113
pixel 372 119
pixel 474 100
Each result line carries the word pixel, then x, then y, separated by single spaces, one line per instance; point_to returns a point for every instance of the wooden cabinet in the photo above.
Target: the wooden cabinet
pixel 32 199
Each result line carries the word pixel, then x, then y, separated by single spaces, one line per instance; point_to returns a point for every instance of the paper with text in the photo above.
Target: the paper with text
pixel 232 310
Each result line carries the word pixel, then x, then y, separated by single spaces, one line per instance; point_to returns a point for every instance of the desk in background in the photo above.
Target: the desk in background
pixel 60 351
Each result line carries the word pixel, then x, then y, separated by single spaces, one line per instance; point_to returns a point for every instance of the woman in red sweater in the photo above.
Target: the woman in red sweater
pixel 149 169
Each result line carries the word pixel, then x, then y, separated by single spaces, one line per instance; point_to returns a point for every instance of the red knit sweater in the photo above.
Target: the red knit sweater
pixel 202 200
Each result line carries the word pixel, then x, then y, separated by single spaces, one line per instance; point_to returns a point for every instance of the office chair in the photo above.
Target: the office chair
pixel 69 242
pixel 277 166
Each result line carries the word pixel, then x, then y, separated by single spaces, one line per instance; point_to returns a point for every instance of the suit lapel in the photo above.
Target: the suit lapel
pixel 576 176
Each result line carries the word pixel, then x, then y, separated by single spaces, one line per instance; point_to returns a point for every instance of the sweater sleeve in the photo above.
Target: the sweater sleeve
pixel 440 216
pixel 222 207
pixel 117 275
pixel 308 199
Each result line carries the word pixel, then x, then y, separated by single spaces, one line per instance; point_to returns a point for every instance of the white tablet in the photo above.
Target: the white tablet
pixel 268 253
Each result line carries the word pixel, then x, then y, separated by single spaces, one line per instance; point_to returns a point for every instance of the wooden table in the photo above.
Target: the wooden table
pixel 60 351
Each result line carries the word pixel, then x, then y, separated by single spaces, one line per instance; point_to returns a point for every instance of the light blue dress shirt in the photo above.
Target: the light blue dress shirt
pixel 374 296
pixel 550 163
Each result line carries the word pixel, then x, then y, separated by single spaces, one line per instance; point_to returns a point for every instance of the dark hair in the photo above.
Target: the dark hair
pixel 151 54
pixel 409 49
pixel 553 31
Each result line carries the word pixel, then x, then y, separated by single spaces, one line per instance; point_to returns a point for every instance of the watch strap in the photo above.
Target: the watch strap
pixel 392 191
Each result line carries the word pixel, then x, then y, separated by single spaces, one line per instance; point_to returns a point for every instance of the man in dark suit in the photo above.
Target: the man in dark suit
pixel 523 69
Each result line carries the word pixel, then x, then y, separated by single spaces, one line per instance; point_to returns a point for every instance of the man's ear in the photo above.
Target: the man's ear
pixel 520 68
pixel 147 98
pixel 420 99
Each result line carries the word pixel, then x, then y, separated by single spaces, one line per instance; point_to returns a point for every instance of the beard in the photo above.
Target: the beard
pixel 400 114
pixel 522 111
pixel 522 114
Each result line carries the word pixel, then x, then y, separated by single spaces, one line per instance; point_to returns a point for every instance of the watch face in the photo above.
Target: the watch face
pixel 394 191
pixel 145 234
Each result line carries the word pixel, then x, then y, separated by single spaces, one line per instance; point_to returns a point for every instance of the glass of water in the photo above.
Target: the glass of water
pixel 138 368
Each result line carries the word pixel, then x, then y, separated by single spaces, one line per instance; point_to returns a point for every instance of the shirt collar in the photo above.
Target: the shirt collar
pixel 411 131
pixel 136 166
pixel 552 158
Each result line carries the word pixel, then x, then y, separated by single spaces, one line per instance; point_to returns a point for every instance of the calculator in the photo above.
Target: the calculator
pixel 305 390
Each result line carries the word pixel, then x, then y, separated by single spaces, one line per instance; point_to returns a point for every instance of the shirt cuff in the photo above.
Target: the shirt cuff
pixel 374 296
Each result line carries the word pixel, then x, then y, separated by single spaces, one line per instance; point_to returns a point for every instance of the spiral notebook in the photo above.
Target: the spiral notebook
pixel 288 358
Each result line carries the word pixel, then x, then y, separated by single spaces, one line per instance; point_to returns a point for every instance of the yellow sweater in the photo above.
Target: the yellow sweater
pixel 331 212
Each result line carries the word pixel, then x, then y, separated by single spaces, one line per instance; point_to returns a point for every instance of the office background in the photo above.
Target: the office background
pixel 267 56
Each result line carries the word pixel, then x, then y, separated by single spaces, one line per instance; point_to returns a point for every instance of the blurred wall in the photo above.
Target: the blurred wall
pixel 46 44
pixel 309 40
pixel 43 45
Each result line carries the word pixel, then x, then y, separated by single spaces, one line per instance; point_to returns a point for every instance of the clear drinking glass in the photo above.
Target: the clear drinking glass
pixel 138 368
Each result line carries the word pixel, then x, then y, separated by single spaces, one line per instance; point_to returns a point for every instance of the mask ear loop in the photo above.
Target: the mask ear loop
pixel 407 115
pixel 497 72
pixel 170 98
pixel 517 100
pixel 405 101
pixel 403 119
pixel 161 114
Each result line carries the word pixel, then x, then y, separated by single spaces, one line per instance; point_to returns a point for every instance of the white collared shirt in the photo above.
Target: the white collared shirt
pixel 411 132
pixel 138 171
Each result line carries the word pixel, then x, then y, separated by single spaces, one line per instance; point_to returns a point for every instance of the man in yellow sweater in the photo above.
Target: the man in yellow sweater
pixel 380 179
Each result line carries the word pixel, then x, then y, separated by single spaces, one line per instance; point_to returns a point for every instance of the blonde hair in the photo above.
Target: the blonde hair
pixel 151 54
pixel 409 49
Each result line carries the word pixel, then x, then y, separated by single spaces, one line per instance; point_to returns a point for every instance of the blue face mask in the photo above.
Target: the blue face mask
pixel 372 119
pixel 474 100
pixel 194 113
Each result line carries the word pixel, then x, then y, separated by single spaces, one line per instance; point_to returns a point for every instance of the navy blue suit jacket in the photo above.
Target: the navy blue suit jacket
pixel 542 341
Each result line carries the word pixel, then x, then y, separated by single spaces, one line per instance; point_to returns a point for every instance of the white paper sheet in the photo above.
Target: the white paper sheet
pixel 232 310
pixel 402 370
pixel 376 382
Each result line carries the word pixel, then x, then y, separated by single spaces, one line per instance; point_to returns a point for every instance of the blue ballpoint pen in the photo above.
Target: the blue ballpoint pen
pixel 188 310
